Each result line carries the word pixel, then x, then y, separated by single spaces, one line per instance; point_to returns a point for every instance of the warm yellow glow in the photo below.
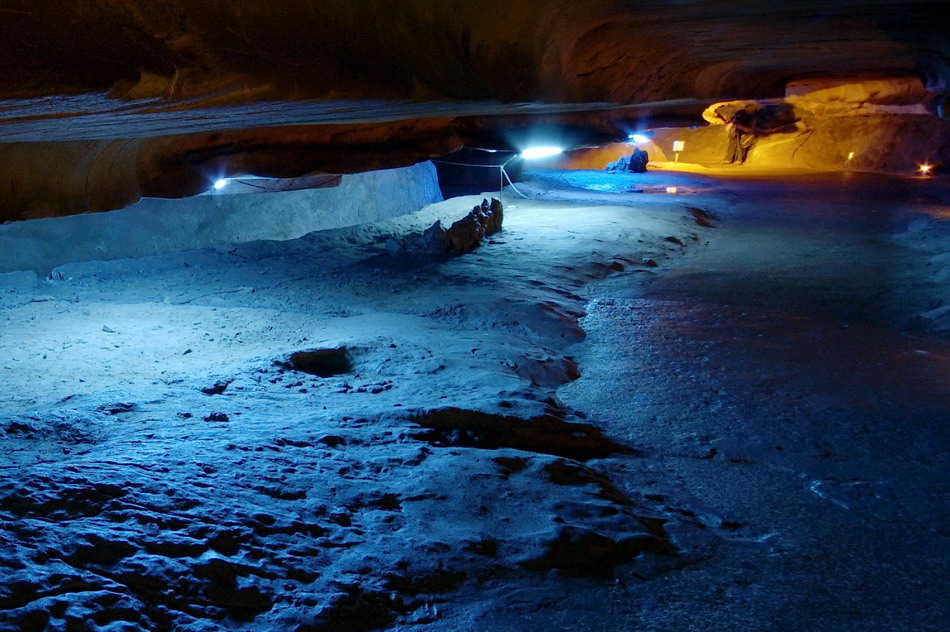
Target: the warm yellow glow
pixel 679 145
pixel 925 169
pixel 671 190
pixel 851 155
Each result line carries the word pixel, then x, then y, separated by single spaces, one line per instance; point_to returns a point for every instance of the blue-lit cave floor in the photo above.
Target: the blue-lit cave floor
pixel 165 469
pixel 757 439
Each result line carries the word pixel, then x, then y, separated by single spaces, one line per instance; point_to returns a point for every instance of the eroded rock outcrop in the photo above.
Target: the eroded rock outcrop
pixel 118 100
pixel 154 226
pixel 462 236
pixel 65 178
pixel 830 124
pixel 634 163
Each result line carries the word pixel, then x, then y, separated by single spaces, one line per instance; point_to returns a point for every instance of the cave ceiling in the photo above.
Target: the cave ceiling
pixel 105 101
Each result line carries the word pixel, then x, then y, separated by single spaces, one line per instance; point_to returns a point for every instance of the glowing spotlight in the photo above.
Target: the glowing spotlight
pixel 541 152
pixel 925 169
pixel 850 155
pixel 672 190
pixel 638 139
pixel 220 184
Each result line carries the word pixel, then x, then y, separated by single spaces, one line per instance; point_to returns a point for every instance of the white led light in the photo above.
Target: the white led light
pixel 638 138
pixel 540 152
pixel 220 184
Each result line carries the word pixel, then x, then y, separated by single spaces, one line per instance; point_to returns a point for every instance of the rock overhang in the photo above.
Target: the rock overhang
pixel 105 102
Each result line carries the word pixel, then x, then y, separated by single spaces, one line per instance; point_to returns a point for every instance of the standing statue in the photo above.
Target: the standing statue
pixel 741 129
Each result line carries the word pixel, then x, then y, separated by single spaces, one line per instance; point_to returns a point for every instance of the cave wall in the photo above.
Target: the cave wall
pixel 821 125
pixel 103 102
pixel 524 50
pixel 156 226
pixel 827 125
pixel 49 179
pixel 885 143
pixel 882 142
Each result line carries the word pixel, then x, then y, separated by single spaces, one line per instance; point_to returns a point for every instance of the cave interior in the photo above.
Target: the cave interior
pixel 298 334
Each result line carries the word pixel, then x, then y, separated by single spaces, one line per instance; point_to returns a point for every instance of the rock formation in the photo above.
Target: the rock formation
pixel 462 236
pixel 108 101
pixel 634 163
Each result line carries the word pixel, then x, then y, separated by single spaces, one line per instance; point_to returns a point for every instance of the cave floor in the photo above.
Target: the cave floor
pixel 773 452
pixel 773 379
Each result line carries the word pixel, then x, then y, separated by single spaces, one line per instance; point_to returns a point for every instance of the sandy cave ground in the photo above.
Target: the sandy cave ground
pixel 757 422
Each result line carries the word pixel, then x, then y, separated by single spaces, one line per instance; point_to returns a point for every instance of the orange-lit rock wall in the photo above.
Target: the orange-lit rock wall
pixel 829 124
pixel 552 50
pixel 891 143
pixel 246 61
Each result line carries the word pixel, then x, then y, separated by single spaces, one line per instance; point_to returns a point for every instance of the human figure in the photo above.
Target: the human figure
pixel 741 130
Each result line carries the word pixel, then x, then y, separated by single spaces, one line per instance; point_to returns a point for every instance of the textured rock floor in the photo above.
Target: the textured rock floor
pixel 752 443
pixel 166 469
